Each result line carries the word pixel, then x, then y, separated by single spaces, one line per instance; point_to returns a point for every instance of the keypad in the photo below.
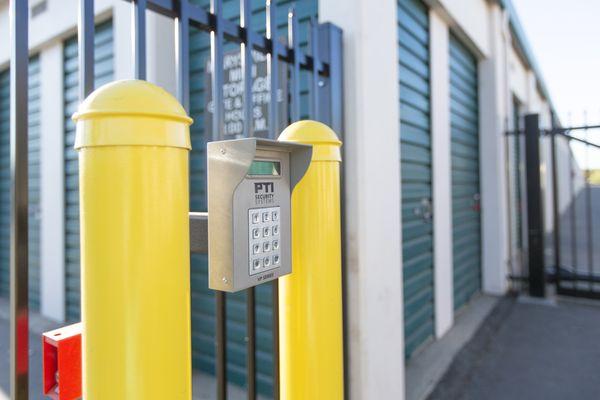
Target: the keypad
pixel 263 235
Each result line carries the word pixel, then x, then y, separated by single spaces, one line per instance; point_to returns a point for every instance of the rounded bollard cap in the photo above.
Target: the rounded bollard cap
pixel 132 98
pixel 121 112
pixel 326 145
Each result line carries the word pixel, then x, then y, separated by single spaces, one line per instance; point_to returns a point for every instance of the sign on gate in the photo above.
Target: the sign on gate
pixel 233 95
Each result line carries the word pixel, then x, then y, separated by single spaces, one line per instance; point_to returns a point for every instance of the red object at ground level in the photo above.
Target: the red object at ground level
pixel 62 363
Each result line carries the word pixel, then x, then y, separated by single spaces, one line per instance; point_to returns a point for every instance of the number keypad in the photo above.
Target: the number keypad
pixel 263 239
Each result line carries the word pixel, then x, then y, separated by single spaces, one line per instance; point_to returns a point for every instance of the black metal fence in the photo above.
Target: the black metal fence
pixel 575 211
pixel 562 210
pixel 323 64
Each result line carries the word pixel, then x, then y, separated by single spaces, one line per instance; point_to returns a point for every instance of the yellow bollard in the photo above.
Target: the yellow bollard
pixel 310 299
pixel 133 143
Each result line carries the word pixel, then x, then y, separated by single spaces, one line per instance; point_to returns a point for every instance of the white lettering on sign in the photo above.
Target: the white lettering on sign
pixel 233 95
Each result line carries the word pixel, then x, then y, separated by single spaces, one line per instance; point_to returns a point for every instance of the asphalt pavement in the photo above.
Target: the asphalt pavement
pixel 529 350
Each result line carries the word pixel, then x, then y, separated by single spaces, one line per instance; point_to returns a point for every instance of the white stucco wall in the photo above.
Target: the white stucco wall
pixel 493 117
pixel 162 69
pixel 52 234
pixel 469 18
pixel 517 75
pixel 372 194
pixel 442 180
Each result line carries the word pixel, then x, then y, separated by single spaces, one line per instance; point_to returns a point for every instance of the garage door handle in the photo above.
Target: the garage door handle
pixel 476 202
pixel 424 210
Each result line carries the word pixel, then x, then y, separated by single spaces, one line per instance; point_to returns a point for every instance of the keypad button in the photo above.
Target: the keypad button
pixel 263 239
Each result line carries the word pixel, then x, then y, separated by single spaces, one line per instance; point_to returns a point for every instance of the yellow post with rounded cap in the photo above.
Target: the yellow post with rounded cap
pixel 133 143
pixel 310 298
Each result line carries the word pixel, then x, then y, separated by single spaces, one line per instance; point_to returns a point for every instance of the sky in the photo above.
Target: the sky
pixel 564 36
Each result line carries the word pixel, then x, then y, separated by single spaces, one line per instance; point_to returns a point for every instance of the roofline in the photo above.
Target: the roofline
pixel 525 49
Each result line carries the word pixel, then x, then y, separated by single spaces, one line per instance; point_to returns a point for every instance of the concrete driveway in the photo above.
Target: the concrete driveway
pixel 528 350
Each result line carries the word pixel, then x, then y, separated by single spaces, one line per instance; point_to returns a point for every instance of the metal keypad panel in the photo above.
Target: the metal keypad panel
pixel 263 239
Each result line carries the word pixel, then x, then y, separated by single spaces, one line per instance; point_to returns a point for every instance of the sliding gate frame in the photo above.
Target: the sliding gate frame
pixel 570 278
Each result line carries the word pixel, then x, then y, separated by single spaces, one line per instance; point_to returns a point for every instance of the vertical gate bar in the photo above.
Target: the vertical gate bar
pixel 555 211
pixel 251 343
pixel 246 58
pixel 216 52
pixel 331 49
pixel 220 343
pixel 273 63
pixel 86 48
pixel 314 44
pixel 535 222
pixel 520 154
pixel 275 297
pixel 588 207
pixel 182 55
pixel 19 274
pixel 332 113
pixel 294 44
pixel 509 196
pixel 573 215
pixel 139 38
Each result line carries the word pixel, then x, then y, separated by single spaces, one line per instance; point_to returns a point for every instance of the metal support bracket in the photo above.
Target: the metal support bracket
pixel 199 232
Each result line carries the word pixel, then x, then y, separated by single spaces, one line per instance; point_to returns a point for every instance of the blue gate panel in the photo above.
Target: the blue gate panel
pixel 464 124
pixel 415 155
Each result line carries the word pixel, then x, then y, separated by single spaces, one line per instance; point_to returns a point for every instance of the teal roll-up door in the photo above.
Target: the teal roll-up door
pixel 103 73
pixel 34 182
pixel 4 183
pixel 464 123
pixel 415 139
pixel 203 304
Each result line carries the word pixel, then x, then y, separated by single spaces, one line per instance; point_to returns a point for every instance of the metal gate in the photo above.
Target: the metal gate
pixel 203 299
pixel 563 208
pixel 320 98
